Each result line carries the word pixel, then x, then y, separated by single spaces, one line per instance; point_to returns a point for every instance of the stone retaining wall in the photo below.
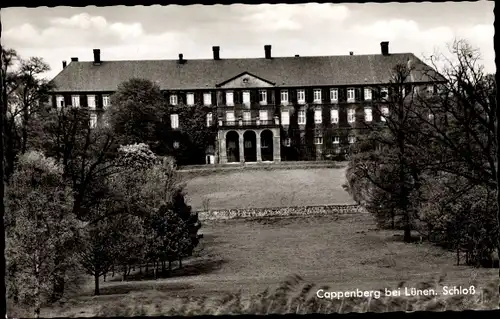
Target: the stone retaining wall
pixel 280 212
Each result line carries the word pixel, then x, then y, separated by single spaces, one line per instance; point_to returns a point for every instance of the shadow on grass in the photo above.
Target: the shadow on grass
pixel 128 287
pixel 197 268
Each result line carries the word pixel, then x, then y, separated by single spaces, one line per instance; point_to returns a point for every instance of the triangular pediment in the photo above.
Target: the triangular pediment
pixel 245 80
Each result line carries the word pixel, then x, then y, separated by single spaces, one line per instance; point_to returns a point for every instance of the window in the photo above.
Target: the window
pixel 173 99
pixel 174 120
pixel 287 142
pixel 301 119
pixel 430 89
pixel 93 120
pixel 318 116
pixel 229 98
pixel 60 101
pixel 385 113
pixel 334 115
pixel 230 117
pixel 75 100
pixel 368 114
pixel 106 101
pixel 301 96
pixel 284 97
pixel 263 115
pixel 352 139
pixel 207 99
pixel 351 115
pixel 190 99
pixel 368 94
pixel 285 118
pixel 350 95
pixel 246 116
pixel 246 98
pixel 263 97
pixel 176 144
pixel 318 140
pixel 336 140
pixel 91 101
pixel 384 93
pixel 317 96
pixel 334 95
pixel 209 119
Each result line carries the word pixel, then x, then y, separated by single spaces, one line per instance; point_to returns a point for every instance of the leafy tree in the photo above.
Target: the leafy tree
pixel 194 135
pixel 386 159
pixel 137 113
pixel 39 223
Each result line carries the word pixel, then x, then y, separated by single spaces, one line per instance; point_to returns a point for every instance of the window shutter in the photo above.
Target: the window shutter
pixel 342 95
pixel 254 96
pixel 54 102
pixel 98 101
pixel 325 95
pixel 357 94
pixel 271 97
pixel 342 115
pixel 309 95
pixel 236 98
pixel 293 96
pixel 182 97
pixel 83 100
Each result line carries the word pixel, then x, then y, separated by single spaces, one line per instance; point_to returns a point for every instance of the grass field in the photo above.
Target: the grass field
pixel 248 256
pixel 267 188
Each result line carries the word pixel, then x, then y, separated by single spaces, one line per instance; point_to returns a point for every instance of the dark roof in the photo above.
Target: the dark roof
pixel 301 71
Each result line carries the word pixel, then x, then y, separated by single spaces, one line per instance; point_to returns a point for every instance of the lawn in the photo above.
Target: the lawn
pixel 344 252
pixel 267 188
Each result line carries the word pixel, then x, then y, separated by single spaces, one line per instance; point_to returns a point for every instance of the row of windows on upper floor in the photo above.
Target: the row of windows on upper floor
pixel 91 101
pixel 246 97
pixel 285 98
pixel 285 116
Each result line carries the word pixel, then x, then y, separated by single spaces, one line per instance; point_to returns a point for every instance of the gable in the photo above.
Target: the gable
pixel 245 80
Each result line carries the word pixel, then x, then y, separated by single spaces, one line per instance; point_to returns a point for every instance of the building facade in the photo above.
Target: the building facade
pixel 268 109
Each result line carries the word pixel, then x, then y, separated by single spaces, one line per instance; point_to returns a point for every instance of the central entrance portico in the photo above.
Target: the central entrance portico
pixel 249 145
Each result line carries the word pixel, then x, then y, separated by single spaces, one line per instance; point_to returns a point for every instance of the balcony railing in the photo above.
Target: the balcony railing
pixel 249 123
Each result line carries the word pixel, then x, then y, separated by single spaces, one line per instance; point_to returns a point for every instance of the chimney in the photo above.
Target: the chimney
pixel 64 64
pixel 267 50
pixel 216 52
pixel 181 58
pixel 74 59
pixel 97 56
pixel 384 47
pixel 297 55
pixel 351 53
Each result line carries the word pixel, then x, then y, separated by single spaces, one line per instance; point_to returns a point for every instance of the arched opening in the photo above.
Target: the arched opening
pixel 232 147
pixel 250 145
pixel 266 145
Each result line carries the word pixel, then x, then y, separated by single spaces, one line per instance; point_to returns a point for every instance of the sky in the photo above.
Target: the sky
pixel 162 32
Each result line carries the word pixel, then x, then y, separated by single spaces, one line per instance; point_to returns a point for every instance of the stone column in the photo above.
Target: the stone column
pixel 242 148
pixel 257 140
pixel 222 148
pixel 277 145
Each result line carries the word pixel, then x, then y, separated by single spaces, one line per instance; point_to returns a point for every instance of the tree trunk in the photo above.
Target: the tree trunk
pixel 128 271
pixel 180 262
pixel 37 290
pixel 124 277
pixel 163 268
pixel 113 271
pixel 154 270
pixel 104 276
pixel 3 111
pixel 147 268
pixel 96 284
